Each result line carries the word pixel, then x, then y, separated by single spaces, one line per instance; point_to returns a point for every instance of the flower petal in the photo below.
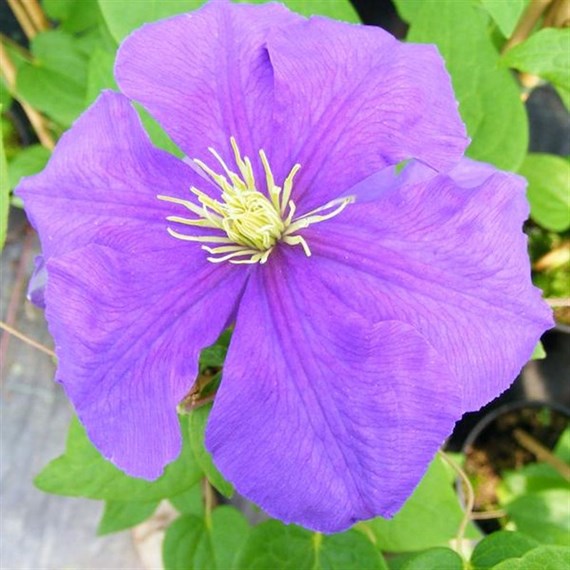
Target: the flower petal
pixel 128 330
pixel 102 182
pixel 350 100
pixel 205 76
pixel 322 418
pixel 449 260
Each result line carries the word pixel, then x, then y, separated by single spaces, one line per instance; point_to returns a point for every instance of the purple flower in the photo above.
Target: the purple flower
pixel 371 310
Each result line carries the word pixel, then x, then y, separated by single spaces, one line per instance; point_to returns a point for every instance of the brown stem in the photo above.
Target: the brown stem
pixel 26 339
pixel 23 18
pixel 486 515
pixel 558 15
pixel 36 14
pixel 554 258
pixel 563 302
pixel 542 453
pixel 8 70
pixel 469 499
pixel 528 20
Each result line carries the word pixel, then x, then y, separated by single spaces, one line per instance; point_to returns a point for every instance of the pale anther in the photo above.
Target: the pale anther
pixel 250 222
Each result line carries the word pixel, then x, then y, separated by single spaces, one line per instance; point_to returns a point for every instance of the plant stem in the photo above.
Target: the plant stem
pixel 36 14
pixel 486 515
pixel 37 121
pixel 23 18
pixel 469 500
pixel 527 22
pixel 209 502
pixel 542 453
pixel 26 339
pixel 558 15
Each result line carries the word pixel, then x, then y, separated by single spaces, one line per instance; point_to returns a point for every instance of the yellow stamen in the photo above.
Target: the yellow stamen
pixel 252 222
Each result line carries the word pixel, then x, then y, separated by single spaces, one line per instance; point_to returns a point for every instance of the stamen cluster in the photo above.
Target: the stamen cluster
pixel 252 222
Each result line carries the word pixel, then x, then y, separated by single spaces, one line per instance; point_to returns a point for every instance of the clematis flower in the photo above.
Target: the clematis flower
pixel 371 309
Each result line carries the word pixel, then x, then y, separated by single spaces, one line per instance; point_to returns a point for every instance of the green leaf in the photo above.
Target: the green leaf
pixel 82 472
pixel 75 15
pixel 505 14
pixel 279 547
pixel 123 16
pixel 120 515
pixel 215 355
pixel 28 161
pixel 4 193
pixel 58 51
pixel 548 190
pixel 193 543
pixel 489 99
pixel 100 74
pixel 337 9
pixel 435 558
pixel 542 515
pixel 500 546
pixel 538 353
pixel 541 558
pixel 531 478
pixel 198 419
pixel 545 53
pixel 430 517
pixel 157 134
pixel 191 502
pixel 51 92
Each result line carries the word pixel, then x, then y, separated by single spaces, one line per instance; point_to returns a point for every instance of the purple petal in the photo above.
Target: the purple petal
pixel 37 284
pixel 450 261
pixel 350 100
pixel 322 418
pixel 102 182
pixel 128 330
pixel 206 76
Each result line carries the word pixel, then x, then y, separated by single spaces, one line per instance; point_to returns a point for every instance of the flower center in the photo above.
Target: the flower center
pixel 251 222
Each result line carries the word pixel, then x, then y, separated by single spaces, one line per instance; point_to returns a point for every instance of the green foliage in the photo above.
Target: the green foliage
pixel 505 14
pixel 439 558
pixel 211 543
pixel 500 546
pixel 51 93
pixel 75 15
pixel 4 193
pixel 54 82
pixel 28 161
pixel 120 515
pixel 545 53
pixel 215 355
pixel 337 9
pixel 197 427
pixel 123 16
pixel 191 502
pixel 279 547
pixel 541 558
pixel 100 74
pixel 488 96
pixel 548 190
pixel 82 472
pixel 538 353
pixel 58 51
pixel 430 517
pixel 542 515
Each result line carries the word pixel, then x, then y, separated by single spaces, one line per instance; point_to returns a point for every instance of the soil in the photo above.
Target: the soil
pixel 496 449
